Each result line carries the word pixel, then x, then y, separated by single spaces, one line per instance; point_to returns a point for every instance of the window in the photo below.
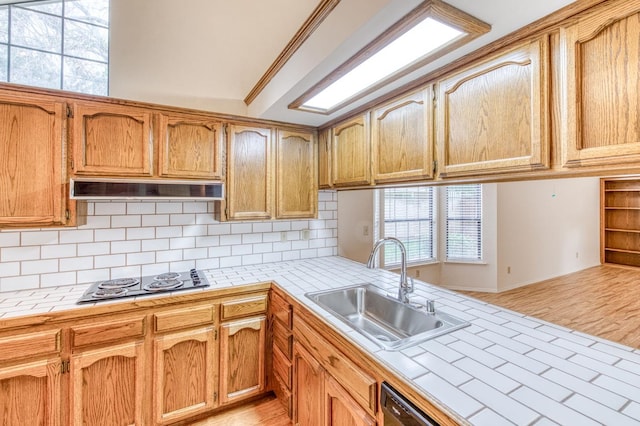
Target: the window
pixel 464 222
pixel 56 44
pixel 423 35
pixel 409 217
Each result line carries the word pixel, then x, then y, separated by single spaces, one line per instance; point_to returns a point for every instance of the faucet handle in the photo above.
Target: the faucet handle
pixel 430 306
pixel 410 286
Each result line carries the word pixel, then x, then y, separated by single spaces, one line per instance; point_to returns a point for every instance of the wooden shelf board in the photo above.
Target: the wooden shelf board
pixel 633 231
pixel 622 208
pixel 621 250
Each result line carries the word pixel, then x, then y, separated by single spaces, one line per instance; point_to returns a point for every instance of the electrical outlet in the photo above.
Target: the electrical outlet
pixel 283 236
pixel 417 273
pixel 577 255
pixel 365 231
pixel 508 269
pixel 305 234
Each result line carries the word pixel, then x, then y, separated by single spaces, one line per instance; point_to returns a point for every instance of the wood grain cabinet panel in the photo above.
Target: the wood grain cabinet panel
pixel 190 146
pixel 308 389
pixel 242 359
pixel 233 309
pixel 32 161
pixel 600 106
pixel 113 140
pixel 324 159
pixel 250 178
pixel 494 116
pixel 342 409
pixel 185 374
pixel 30 394
pixel 37 344
pixel 297 189
pixel 402 138
pixel 108 385
pixel 351 156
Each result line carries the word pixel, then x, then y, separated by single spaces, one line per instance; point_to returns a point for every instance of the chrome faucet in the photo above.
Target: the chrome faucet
pixel 405 286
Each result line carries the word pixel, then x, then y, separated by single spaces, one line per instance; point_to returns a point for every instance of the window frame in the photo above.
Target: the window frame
pixel 480 225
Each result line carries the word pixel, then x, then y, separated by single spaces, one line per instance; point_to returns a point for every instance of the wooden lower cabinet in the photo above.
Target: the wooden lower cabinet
pixel 30 394
pixel 185 370
pixel 107 385
pixel 242 359
pixel 308 388
pixel 341 408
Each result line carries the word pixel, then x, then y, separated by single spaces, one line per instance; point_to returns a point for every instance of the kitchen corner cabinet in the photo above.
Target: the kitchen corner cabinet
pixel 32 161
pixel 493 117
pixel 185 363
pixel 401 138
pixel 297 192
pixel 351 152
pixel 189 146
pixel 599 87
pixel 111 140
pixel 324 159
pixel 243 334
pixel 250 179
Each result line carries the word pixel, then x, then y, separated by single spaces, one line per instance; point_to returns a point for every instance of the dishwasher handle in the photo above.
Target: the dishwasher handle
pixel 399 411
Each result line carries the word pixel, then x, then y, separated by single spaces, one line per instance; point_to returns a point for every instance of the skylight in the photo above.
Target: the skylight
pixel 417 42
pixel 431 30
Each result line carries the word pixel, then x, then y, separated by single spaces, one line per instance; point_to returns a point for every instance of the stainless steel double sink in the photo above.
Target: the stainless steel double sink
pixel 383 319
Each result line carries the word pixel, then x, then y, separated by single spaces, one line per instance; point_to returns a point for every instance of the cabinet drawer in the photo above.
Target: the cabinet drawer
pixel 183 318
pixel 282 368
pixel 244 307
pixel 283 339
pixel 103 332
pixel 284 395
pixel 32 344
pixel 281 310
pixel 361 386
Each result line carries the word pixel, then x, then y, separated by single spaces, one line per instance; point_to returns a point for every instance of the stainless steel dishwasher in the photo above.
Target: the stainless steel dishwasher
pixel 399 411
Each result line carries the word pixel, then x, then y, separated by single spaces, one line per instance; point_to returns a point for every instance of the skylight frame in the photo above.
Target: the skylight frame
pixel 470 26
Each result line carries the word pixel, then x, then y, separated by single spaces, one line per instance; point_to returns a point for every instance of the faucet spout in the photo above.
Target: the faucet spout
pixel 405 288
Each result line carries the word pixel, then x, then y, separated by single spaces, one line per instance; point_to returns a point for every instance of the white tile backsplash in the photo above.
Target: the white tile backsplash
pixel 144 237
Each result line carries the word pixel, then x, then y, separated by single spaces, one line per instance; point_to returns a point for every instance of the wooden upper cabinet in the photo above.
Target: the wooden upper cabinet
pixel 113 140
pixel 324 159
pixel 401 138
pixel 249 173
pixel 494 116
pixel 600 105
pixel 32 161
pixel 297 192
pixel 189 146
pixel 351 159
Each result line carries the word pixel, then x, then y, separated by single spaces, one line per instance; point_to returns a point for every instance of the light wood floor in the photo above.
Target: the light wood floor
pixel 603 301
pixel 263 412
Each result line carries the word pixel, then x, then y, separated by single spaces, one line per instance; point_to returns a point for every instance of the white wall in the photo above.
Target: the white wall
pixel 138 238
pixel 356 224
pixel 546 229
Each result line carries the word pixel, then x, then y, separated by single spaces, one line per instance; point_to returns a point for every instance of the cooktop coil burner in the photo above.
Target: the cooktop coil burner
pixel 132 286
pixel 119 283
pixel 109 293
pixel 163 285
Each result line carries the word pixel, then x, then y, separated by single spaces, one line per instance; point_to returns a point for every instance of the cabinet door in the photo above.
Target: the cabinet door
pixel 351 152
pixel 242 359
pixel 107 386
pixel 297 178
pixel 249 173
pixel 184 374
pixel 112 140
pixel 32 161
pixel 342 409
pixel 494 117
pixel 402 138
pixel 308 388
pixel 189 147
pixel 30 394
pixel 324 159
pixel 600 106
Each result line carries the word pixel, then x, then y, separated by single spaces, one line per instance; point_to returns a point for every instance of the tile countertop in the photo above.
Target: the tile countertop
pixel 506 368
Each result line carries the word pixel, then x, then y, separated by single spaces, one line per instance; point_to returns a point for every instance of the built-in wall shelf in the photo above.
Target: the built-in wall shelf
pixel 620 221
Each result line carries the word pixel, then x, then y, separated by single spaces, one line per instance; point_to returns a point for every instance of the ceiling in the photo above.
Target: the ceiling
pixel 209 54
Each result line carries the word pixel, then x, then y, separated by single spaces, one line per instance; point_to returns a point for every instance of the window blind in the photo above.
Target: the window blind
pixel 464 222
pixel 409 217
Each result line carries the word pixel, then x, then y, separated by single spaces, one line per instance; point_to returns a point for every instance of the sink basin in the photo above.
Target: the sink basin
pixel 383 319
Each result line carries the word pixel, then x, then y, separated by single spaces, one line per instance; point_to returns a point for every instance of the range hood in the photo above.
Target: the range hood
pixel 134 189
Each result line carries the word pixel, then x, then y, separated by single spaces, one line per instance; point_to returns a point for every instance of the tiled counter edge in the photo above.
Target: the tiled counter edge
pixel 506 368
